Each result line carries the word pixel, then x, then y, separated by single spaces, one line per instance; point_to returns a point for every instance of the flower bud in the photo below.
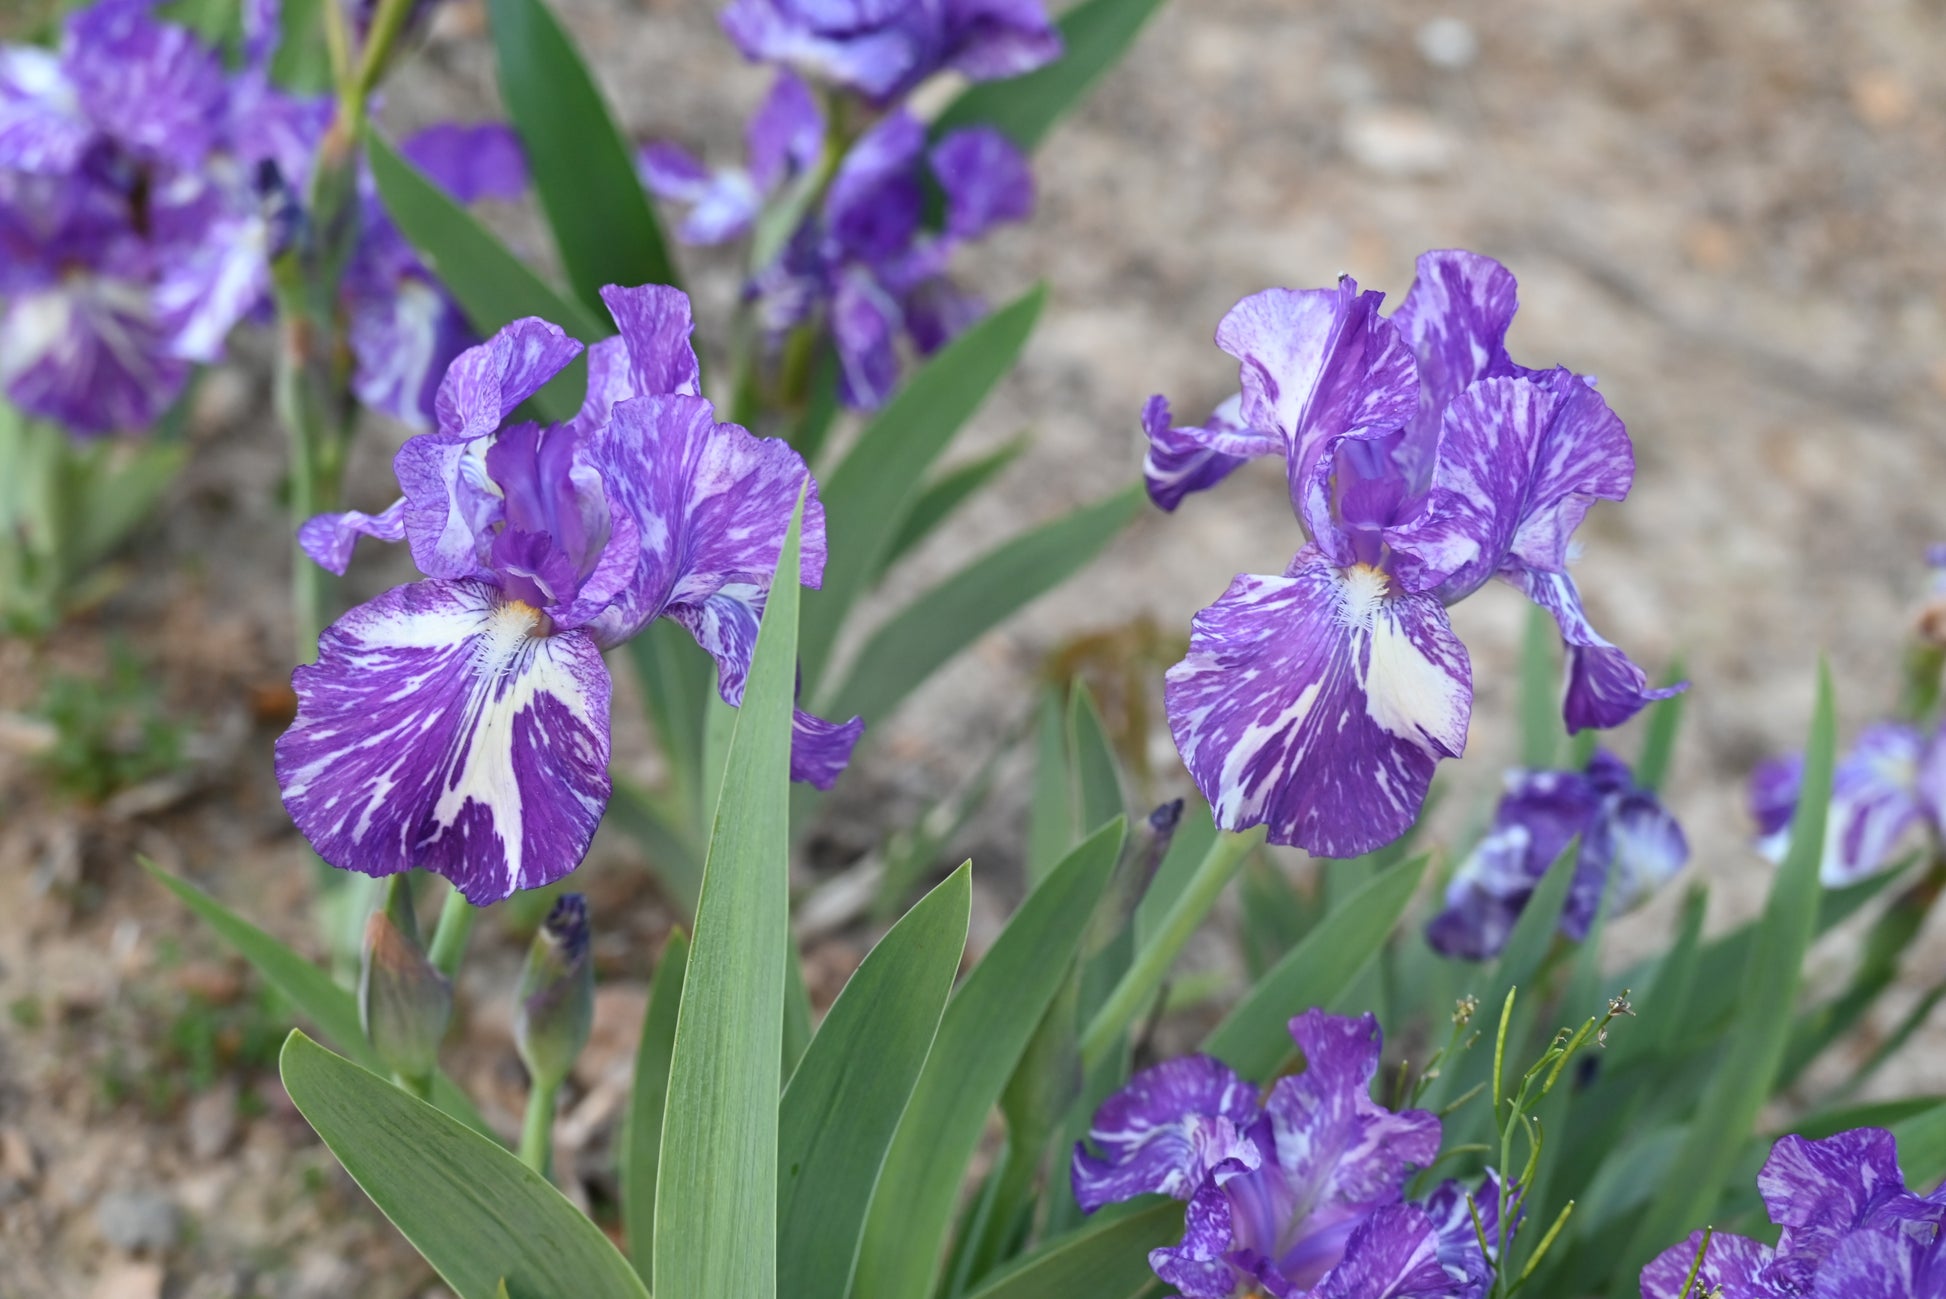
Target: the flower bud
pixel 557 994
pixel 404 1003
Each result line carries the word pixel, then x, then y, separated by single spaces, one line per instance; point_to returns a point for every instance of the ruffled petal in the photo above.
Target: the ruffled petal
pixel 1605 687
pixel 786 133
pixel 1461 1218
pixel 328 538
pixel 402 341
pixel 1317 366
pixel 485 383
pixel 1736 1265
pixel 1647 848
pixel 1821 1191
pixel 864 328
pixel 1519 462
pixel 450 507
pixel 470 162
pixel 88 354
pixel 1170 1128
pixel 1319 703
pixel 872 61
pixel 154 88
pixel 655 324
pixel 1455 319
pixel 1199 1265
pixel 821 750
pixel 42 129
pixel 1486 896
pixel 994 39
pixel 1182 459
pixel 711 504
pixel 1392 1254
pixel 873 207
pixel 986 179
pixel 440 728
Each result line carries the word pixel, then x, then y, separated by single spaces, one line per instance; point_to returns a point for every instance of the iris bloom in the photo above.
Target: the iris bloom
pixel 1629 846
pixel 460 723
pixel 1892 782
pixel 1851 1230
pixel 1302 1194
pixel 1421 462
pixel 860 262
pixel 883 48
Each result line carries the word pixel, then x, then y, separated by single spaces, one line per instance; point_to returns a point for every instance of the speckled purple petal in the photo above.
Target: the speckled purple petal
pixel 154 88
pixel 1182 460
pixel 485 383
pixel 988 40
pixel 1199 1266
pixel 329 538
pixel 470 161
pixel 403 339
pixel 1605 687
pixel 1319 365
pixel 1455 319
pixel 874 62
pixel 1821 1191
pixel 450 507
pixel 1319 703
pixel 1647 849
pixel 711 504
pixel 821 750
pixel 1486 896
pixel 986 179
pixel 440 729
pixel 786 133
pixel 1173 1126
pixel 864 329
pixel 1737 1265
pixel 1392 1254
pixel 1461 1216
pixel 1874 803
pixel 87 353
pixel 655 324
pixel 216 267
pixel 873 206
pixel 42 128
pixel 1884 1265
pixel 1519 462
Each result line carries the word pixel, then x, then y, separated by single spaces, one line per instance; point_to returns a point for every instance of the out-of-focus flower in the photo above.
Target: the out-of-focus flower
pixel 461 723
pixel 134 216
pixel 1892 782
pixel 1629 846
pixel 883 48
pixel 860 263
pixel 1301 1194
pixel 1422 462
pixel 1851 1230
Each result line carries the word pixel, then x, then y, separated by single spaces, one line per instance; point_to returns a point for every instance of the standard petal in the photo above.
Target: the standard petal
pixel 1821 1191
pixel 1736 1266
pixel 874 62
pixel 670 171
pixel 328 538
pixel 441 729
pixel 821 750
pixel 1393 1254
pixel 711 504
pixel 986 179
pixel 785 134
pixel 1455 319
pixel 1874 803
pixel 485 383
pixel 1319 703
pixel 1164 1133
pixel 154 88
pixel 655 324
pixel 450 507
pixel 470 162
pixel 1605 687
pixel 1319 365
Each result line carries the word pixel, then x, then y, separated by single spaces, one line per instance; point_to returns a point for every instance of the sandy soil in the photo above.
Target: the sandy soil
pixel 1728 212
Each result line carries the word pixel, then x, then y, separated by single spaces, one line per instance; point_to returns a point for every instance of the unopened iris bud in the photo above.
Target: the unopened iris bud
pixel 1147 847
pixel 557 994
pixel 404 1003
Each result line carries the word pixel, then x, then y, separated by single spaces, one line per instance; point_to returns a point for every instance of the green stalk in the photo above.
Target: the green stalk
pixel 1151 964
pixel 449 937
pixel 537 1130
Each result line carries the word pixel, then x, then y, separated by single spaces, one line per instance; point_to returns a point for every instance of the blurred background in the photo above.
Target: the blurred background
pixel 1731 213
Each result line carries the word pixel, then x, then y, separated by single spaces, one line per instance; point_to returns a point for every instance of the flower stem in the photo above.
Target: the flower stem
pixel 449 938
pixel 537 1130
pixel 1152 963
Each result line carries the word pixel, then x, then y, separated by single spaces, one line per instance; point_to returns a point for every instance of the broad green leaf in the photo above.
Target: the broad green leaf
pixel 843 1103
pixel 1253 1039
pixel 476 1213
pixel 603 225
pixel 951 616
pixel 1540 696
pixel 986 1028
pixel 1050 814
pixel 1097 783
pixel 947 492
pixel 1095 33
pixel 1106 1260
pixel 491 285
pixel 1728 1111
pixel 327 1005
pixel 872 489
pixel 718 1235
pixel 1922 1146
pixel 642 1138
pixel 1659 741
pixel 301 64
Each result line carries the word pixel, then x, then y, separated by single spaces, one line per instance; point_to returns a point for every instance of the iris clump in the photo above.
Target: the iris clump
pixel 460 723
pixel 1301 1193
pixel 1422 461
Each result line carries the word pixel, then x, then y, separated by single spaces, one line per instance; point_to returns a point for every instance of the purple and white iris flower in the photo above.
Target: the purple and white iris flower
pixel 881 49
pixel 1891 783
pixel 861 262
pixel 1301 1194
pixel 132 219
pixel 1628 847
pixel 1421 461
pixel 1850 1230
pixel 460 723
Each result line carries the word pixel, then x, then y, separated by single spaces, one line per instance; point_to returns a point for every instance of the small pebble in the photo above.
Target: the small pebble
pixel 1448 43
pixel 138 1220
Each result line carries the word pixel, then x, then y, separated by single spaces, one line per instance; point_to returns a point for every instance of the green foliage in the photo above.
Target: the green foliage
pixel 108 734
pixel 641 1148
